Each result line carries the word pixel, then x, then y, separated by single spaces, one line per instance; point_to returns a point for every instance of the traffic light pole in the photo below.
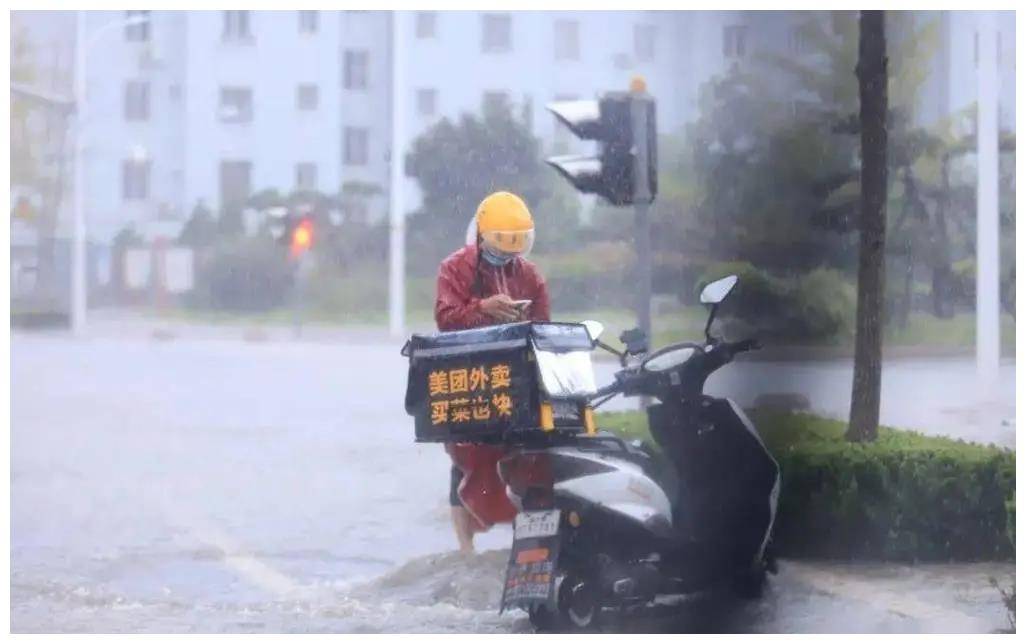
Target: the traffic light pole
pixel 643 246
pixel 299 294
pixel 642 231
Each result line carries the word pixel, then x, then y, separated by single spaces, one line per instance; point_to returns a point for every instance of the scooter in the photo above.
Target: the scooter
pixel 604 526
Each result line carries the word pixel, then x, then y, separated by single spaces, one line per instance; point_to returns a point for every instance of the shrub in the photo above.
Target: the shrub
pixel 244 275
pixel 904 497
pixel 597 275
pixel 816 306
pixel 757 297
pixel 359 293
pixel 822 305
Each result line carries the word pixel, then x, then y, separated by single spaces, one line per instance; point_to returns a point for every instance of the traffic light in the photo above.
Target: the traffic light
pixel 612 120
pixel 300 236
pixel 294 231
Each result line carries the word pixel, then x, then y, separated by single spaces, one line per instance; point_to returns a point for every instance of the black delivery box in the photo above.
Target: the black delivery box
pixel 480 385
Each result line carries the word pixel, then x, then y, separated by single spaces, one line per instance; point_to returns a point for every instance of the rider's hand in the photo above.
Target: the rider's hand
pixel 500 307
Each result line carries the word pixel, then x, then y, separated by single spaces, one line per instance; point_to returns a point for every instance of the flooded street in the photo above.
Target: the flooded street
pixel 206 484
pixel 220 220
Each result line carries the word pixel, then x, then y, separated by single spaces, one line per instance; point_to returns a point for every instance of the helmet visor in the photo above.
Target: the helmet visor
pixel 509 242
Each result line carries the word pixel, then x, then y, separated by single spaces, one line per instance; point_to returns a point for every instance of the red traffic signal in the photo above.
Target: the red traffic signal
pixel 302 237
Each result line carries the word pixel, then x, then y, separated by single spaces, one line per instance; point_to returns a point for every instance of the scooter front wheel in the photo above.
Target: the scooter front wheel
pixel 751 583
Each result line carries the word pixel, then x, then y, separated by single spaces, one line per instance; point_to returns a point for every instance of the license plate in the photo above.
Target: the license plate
pixel 531 571
pixel 532 525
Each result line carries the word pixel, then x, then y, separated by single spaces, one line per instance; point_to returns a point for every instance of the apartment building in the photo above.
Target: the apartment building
pixel 212 106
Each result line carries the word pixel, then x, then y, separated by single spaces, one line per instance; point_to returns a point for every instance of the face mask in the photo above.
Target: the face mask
pixel 495 259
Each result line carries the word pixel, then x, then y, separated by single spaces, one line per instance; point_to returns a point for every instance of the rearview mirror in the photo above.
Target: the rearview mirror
pixel 594 329
pixel 716 292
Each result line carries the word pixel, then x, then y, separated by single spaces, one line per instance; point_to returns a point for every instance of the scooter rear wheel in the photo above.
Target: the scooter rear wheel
pixel 577 608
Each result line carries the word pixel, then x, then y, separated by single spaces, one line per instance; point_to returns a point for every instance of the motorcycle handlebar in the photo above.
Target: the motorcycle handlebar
pixel 611 388
pixel 630 381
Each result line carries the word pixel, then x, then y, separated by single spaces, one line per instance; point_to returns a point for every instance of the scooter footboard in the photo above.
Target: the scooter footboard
pixel 728 481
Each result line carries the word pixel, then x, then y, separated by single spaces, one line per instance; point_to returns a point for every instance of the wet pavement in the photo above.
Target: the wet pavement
pixel 214 485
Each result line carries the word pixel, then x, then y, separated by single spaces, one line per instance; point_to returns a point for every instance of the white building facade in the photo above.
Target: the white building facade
pixel 213 106
pixel 210 107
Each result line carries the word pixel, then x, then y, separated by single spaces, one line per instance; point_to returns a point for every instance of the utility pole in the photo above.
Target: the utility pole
pixel 78 229
pixel 988 301
pixel 397 215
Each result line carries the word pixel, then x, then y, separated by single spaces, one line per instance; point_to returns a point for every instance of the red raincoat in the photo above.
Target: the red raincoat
pixel 464 279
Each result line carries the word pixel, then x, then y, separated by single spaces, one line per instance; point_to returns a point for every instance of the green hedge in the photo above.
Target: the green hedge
pixel 597 275
pixel 245 275
pixel 904 497
pixel 816 306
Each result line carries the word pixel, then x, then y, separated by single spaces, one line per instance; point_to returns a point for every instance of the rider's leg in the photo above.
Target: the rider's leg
pixel 462 522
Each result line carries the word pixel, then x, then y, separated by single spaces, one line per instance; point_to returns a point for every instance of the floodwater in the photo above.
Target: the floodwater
pixel 207 484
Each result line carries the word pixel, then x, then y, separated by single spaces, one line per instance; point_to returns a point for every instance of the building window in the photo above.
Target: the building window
pixel 839 20
pixel 495 32
pixel 494 101
pixel 137 101
pixel 427 101
pixel 798 40
pixel 356 211
pixel 236 105
pixel 235 183
pixel 355 146
pixel 735 39
pixel 803 109
pixel 138 29
pixel 644 42
pixel 426 24
pixel 307 97
pixel 354 69
pixel 236 26
pixel 567 40
pixel 307 22
pixel 306 176
pixel 135 180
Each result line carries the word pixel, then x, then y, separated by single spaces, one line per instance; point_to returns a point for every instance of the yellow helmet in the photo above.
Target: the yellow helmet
pixel 504 224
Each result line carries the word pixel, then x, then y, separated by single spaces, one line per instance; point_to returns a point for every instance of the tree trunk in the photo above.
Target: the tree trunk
pixel 906 300
pixel 872 75
pixel 943 306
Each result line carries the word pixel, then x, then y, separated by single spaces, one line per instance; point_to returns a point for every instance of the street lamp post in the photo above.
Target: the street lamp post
pixel 78 231
pixel 78 260
pixel 988 304
pixel 397 216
